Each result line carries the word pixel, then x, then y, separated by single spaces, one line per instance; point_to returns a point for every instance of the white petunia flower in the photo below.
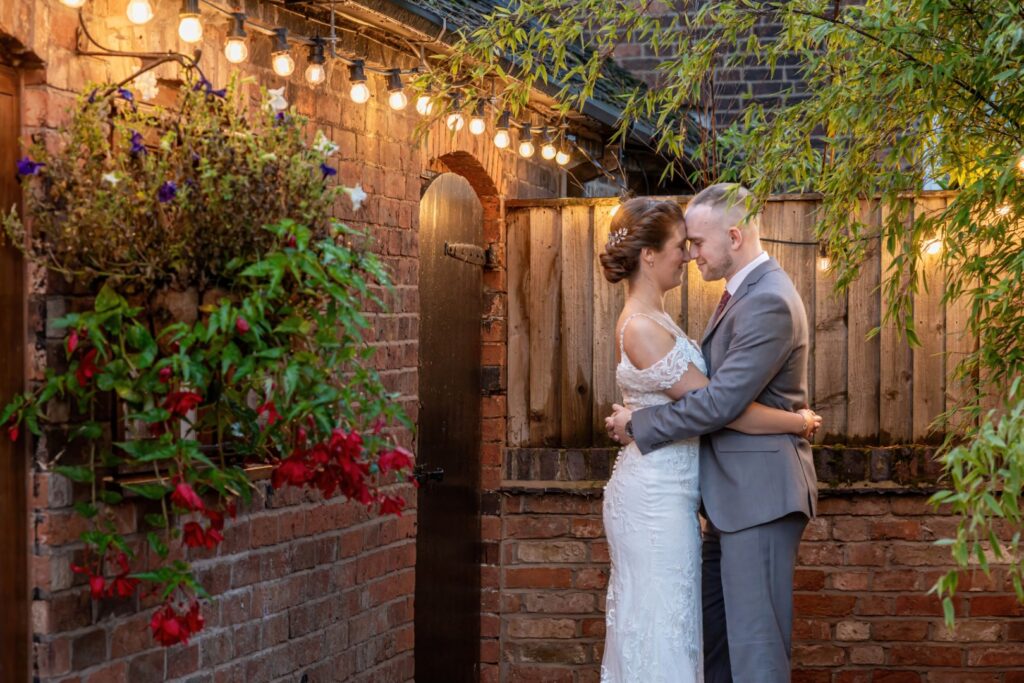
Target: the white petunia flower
pixel 357 195
pixel 146 85
pixel 277 101
pixel 111 178
pixel 324 145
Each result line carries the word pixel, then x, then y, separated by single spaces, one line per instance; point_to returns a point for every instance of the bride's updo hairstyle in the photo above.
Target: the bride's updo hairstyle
pixel 639 223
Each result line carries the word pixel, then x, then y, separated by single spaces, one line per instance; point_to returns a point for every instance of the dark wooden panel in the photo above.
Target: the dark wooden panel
pixel 14 637
pixel 447 570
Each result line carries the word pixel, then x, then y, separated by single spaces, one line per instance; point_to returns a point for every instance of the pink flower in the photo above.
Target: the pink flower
pixel 72 341
pixel 391 505
pixel 270 410
pixel 180 402
pixel 12 430
pixel 292 471
pixel 396 459
pixel 242 325
pixel 86 368
pixel 184 496
pixel 96 586
pixel 165 374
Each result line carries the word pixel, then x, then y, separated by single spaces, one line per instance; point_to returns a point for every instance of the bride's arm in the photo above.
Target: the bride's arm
pixel 757 418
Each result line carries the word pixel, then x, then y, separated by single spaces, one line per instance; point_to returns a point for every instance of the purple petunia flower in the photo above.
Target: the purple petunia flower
pixel 167 192
pixel 28 167
pixel 92 95
pixel 207 87
pixel 328 170
pixel 137 146
pixel 126 94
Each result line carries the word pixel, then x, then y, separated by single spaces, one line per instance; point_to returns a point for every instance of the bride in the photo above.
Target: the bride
pixel 653 613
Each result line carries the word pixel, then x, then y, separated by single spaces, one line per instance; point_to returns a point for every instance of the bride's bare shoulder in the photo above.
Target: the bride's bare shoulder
pixel 644 340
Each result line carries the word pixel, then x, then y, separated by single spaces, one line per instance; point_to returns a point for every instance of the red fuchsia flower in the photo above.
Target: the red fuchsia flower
pixel 12 430
pixel 72 342
pixel 197 537
pixel 86 368
pixel 165 374
pixel 242 325
pixel 194 619
pixel 378 426
pixel 396 459
pixel 392 505
pixel 122 585
pixel 180 402
pixel 184 496
pixel 270 410
pixel 96 586
pixel 291 242
pixel 292 470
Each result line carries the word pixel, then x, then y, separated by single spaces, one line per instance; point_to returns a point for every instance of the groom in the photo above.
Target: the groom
pixel 758 491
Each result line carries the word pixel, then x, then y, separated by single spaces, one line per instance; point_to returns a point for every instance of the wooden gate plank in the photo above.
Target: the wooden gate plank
pixel 577 325
pixel 518 241
pixel 863 360
pixel 896 392
pixel 545 326
pixel 930 324
pixel 830 356
pixel 608 302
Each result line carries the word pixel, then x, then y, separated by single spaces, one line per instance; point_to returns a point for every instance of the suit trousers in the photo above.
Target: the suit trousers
pixel 747 586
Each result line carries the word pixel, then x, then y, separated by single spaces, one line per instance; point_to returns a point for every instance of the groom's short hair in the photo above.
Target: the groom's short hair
pixel 730 198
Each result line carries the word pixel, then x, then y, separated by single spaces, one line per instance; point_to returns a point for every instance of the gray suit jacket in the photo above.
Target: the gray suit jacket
pixel 755 351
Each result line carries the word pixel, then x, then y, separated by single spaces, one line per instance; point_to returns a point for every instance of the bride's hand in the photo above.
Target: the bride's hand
pixel 812 422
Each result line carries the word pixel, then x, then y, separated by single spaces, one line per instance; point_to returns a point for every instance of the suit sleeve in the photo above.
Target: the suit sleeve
pixel 759 347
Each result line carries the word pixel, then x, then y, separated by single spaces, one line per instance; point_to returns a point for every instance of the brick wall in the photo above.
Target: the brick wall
pixel 865 565
pixel 304 590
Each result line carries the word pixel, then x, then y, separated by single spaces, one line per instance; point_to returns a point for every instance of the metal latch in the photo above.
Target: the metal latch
pixel 470 253
pixel 422 474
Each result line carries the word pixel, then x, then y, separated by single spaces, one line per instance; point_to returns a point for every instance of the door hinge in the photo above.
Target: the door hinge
pixel 470 253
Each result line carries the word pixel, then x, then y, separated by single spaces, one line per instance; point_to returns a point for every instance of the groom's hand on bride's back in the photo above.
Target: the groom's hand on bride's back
pixel 615 424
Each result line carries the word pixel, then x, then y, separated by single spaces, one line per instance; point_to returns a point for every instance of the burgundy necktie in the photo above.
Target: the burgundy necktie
pixel 721 305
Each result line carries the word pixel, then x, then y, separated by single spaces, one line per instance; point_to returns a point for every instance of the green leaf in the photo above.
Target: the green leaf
pixel 87 510
pixel 150 491
pixel 78 473
pixel 149 450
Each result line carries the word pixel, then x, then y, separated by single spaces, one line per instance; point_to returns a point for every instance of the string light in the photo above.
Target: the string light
pixel 315 73
pixel 1020 163
pixel 526 149
pixel 190 28
pixel 139 11
pixel 615 210
pixel 73 3
pixel 425 104
pixel 933 247
pixel 397 99
pixel 501 137
pixel 359 92
pixel 563 157
pixel 235 49
pixel 477 125
pixel 455 120
pixel 547 150
pixel 824 262
pixel 281 58
pixel 1003 209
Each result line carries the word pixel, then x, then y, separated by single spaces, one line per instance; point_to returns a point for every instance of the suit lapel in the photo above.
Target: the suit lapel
pixel 748 283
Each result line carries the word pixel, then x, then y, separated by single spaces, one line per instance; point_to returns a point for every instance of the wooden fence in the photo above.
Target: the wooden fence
pixel 562 314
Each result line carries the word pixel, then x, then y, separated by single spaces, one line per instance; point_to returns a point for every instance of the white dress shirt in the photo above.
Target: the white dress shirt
pixel 736 280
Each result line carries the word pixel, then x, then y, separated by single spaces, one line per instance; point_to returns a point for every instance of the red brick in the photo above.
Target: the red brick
pixel 899 630
pixel 817 655
pixel 536 527
pixel 1003 655
pixel 538 577
pixel 926 655
pixel 531 627
pixel 995 606
pixel 823 605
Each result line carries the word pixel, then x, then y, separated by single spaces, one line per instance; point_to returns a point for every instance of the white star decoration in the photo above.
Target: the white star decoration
pixel 357 195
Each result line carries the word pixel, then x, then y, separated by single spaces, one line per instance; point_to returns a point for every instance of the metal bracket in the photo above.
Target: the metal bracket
pixel 470 253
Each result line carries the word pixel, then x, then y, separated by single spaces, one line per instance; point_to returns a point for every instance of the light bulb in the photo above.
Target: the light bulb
pixel 562 157
pixel 359 93
pixel 526 149
pixel 1020 163
pixel 139 11
pixel 190 29
pixel 73 3
pixel 315 74
pixel 548 151
pixel 455 122
pixel 477 125
pixel 615 210
pixel 1003 209
pixel 236 50
pixel 398 100
pixel 502 139
pixel 824 263
pixel 283 63
pixel 933 247
pixel 424 105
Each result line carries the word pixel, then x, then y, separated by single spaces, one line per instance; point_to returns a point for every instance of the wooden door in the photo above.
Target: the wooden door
pixel 14 638
pixel 447 568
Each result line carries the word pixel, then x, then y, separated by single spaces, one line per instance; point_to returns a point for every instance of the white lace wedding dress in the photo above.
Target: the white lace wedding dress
pixel 653 612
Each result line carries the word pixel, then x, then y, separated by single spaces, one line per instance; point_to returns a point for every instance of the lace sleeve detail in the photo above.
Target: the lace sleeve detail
pixel 667 370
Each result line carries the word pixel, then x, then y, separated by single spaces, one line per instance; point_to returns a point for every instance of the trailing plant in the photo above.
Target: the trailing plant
pixel 272 368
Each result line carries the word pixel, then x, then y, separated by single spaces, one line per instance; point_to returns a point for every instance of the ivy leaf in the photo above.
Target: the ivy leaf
pixel 150 491
pixel 79 474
